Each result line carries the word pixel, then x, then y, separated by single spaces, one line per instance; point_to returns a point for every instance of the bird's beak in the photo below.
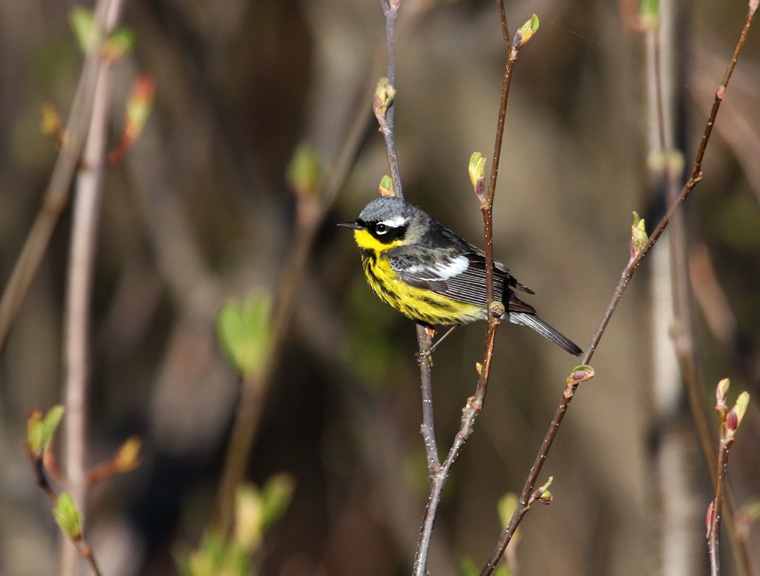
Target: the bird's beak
pixel 353 225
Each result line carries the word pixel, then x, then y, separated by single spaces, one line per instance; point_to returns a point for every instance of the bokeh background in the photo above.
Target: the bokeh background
pixel 200 211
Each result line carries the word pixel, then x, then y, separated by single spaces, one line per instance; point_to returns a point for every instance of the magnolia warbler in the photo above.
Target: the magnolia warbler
pixel 432 275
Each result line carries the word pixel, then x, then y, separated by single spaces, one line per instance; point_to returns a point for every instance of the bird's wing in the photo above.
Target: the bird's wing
pixel 460 276
pixel 513 283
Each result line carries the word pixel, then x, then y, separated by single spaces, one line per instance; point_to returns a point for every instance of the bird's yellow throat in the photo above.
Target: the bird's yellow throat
pixel 367 241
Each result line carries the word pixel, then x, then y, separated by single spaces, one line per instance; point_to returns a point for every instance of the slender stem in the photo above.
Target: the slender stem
pixel 255 389
pixel 713 533
pixel 439 474
pixel 57 195
pixel 425 341
pixel 41 479
pixel 511 57
pixel 79 290
pixel 390 11
pixel 672 301
pixel 628 272
pixel 524 502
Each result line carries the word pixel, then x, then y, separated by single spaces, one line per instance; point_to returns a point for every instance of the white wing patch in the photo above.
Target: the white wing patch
pixel 442 270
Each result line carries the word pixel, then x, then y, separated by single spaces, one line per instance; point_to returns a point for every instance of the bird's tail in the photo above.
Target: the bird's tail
pixel 534 322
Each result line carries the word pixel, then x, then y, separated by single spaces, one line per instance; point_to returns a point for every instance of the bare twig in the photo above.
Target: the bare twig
pixel 526 496
pixel 79 286
pixel 716 507
pixel 671 301
pixel 439 474
pixel 390 11
pixel 57 194
pixel 626 276
pixel 425 341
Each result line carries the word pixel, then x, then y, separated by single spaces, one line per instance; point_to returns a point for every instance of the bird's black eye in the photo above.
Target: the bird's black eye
pixel 381 228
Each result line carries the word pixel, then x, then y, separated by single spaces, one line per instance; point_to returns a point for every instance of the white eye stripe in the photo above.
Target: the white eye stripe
pixel 395 222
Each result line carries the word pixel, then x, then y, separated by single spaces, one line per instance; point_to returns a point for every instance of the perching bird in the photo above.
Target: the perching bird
pixel 432 275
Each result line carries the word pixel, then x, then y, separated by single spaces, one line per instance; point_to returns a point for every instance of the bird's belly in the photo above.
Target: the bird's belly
pixel 416 303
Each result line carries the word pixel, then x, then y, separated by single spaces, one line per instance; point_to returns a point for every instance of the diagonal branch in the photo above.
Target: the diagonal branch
pixel 625 278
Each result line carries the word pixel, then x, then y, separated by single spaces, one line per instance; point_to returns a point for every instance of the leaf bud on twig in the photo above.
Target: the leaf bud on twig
pixel 127 458
pixel 386 186
pixel 639 236
pixel 581 374
pixel 498 309
pixel 51 124
pixel 384 95
pixel 304 172
pixel 542 493
pixel 67 516
pixel 721 391
pixel 525 33
pixel 476 170
pixel 41 428
pixel 736 414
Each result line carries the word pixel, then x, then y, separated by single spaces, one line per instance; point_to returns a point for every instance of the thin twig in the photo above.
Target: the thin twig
pixel 57 195
pixel 425 341
pixel 728 422
pixel 390 11
pixel 628 272
pixel 672 302
pixel 713 538
pixel 255 389
pixel 79 287
pixel 526 499
pixel 41 480
pixel 439 474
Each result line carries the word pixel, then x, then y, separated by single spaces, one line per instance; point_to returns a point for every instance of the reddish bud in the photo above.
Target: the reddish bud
pixel 581 374
pixel 139 107
pixel 732 420
pixel 498 309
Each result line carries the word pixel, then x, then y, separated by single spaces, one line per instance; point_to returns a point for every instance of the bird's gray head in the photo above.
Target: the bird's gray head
pixel 389 219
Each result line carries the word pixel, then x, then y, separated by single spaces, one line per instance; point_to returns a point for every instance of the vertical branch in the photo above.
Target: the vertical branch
pixel 671 303
pixel 310 212
pixel 390 11
pixel 425 342
pixel 79 286
pixel 440 474
pixel 715 511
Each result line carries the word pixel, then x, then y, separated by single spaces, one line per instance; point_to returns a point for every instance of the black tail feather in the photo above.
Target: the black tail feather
pixel 534 322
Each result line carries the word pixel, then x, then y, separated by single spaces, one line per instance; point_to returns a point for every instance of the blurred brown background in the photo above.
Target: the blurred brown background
pixel 200 211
